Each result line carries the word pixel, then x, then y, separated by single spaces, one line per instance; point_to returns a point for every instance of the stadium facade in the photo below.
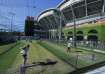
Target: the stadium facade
pixel 88 15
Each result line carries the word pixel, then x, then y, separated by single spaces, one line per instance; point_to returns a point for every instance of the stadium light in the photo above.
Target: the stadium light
pixel 29 7
pixel 12 18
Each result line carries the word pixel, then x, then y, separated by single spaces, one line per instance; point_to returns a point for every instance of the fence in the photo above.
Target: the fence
pixel 92 44
pixel 98 45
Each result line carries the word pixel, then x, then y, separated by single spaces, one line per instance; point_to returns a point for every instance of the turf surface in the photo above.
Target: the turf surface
pixel 41 51
pixel 7 59
pixel 36 54
pixel 6 47
pixel 85 58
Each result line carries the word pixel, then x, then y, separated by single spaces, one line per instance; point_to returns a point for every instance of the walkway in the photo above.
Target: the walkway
pixel 97 71
pixel 96 50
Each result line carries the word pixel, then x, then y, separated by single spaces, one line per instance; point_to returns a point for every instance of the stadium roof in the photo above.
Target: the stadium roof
pixel 67 3
pixel 45 14
pixel 70 8
pixel 45 19
pixel 50 19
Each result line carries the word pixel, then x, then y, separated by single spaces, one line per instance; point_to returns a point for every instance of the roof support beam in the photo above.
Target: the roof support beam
pixel 103 10
pixel 49 23
pixel 46 24
pixel 48 27
pixel 86 7
pixel 42 24
pixel 57 24
pixel 55 18
pixel 52 26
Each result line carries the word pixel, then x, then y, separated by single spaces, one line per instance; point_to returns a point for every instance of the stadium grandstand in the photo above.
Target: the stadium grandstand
pixel 82 10
pixel 50 20
pixel 87 15
pixel 67 39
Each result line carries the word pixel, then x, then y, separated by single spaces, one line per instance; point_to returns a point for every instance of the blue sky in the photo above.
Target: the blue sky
pixel 22 8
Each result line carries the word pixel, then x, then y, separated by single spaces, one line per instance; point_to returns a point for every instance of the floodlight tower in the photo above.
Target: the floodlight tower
pixel 29 7
pixel 12 18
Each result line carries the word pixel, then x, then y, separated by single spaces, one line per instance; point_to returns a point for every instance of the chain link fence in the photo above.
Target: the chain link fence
pixel 92 44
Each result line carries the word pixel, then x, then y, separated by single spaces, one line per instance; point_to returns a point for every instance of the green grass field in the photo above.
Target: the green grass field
pixel 41 51
pixel 38 53
pixel 4 48
pixel 84 57
pixel 7 59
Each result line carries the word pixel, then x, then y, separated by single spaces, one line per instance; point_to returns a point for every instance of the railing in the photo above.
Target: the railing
pixel 99 45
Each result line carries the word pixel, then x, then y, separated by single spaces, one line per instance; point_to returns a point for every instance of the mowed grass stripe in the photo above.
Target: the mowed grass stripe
pixel 7 59
pixel 57 50
pixel 38 53
pixel 19 59
pixel 84 52
pixel 4 48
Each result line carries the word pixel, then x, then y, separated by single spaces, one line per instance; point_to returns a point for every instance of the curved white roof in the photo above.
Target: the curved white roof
pixel 68 3
pixel 46 14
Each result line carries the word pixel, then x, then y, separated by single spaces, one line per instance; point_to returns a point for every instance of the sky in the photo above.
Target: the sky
pixel 19 9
